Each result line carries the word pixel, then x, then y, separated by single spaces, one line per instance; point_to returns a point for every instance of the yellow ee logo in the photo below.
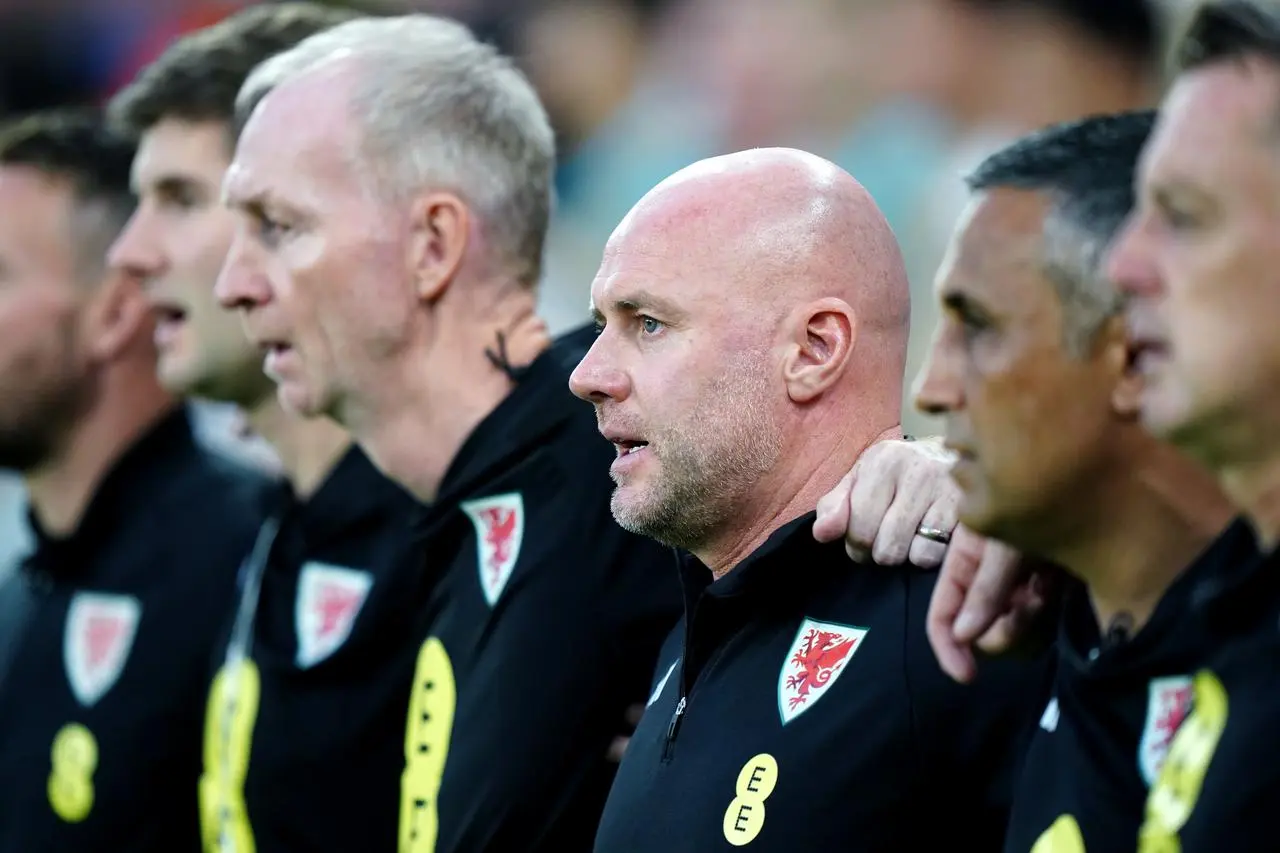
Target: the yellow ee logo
pixel 426 746
pixel 230 717
pixel 1174 795
pixel 1062 836
pixel 744 818
pixel 75 758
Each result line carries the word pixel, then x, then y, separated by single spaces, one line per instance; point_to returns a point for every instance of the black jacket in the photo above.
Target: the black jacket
pixel 1117 703
pixel 800 708
pixel 102 705
pixel 543 625
pixel 1220 784
pixel 303 743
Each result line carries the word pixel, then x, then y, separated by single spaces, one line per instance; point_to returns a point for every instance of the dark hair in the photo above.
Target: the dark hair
pixel 73 144
pixel 1086 170
pixel 77 146
pixel 1229 30
pixel 1131 26
pixel 197 77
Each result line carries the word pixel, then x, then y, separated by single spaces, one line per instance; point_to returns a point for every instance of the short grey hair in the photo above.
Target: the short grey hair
pixel 1086 170
pixel 439 109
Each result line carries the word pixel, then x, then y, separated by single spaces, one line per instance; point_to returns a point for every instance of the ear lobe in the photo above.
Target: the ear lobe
pixel 440 232
pixel 820 345
pixel 117 315
pixel 1126 397
pixel 1126 394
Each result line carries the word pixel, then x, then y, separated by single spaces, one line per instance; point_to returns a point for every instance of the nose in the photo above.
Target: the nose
pixel 135 250
pixel 1128 261
pixel 596 378
pixel 242 283
pixel 937 387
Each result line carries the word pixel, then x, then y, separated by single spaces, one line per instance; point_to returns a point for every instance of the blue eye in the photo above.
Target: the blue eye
pixel 650 325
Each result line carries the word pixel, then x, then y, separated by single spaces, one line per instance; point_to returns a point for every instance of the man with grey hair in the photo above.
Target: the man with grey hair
pixel 393 184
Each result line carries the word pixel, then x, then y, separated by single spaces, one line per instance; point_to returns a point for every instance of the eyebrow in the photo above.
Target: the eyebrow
pixel 638 301
pixel 172 185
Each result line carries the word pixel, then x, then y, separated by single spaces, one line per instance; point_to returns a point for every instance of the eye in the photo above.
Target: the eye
pixel 270 231
pixel 649 325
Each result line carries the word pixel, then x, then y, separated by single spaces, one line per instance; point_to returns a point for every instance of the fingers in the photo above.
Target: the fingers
pixel 908 505
pixel 999 571
pixel 940 514
pixel 869 500
pixel 833 511
pixel 958 570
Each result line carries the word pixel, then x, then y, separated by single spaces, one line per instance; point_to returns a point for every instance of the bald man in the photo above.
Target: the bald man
pixel 753 312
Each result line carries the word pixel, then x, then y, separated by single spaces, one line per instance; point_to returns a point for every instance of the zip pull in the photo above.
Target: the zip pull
pixel 674 728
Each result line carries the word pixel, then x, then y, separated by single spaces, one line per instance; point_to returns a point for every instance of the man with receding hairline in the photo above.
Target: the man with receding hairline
pixel 800 708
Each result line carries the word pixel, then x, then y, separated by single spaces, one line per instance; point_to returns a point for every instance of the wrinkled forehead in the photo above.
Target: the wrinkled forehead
pixel 299 141
pixel 1213 126
pixel 998 246
pixel 681 270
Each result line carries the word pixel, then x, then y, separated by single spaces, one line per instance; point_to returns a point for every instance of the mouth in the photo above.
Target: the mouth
pixel 624 444
pixel 629 448
pixel 169 318
pixel 1144 353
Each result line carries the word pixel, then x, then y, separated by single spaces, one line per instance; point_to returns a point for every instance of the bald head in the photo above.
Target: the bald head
pixel 782 227
pixel 754 311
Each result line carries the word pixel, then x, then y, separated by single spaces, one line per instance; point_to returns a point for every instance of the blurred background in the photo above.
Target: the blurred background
pixel 905 94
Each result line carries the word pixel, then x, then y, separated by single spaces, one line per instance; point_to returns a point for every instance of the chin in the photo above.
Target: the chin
pixel 297 400
pixel 1162 416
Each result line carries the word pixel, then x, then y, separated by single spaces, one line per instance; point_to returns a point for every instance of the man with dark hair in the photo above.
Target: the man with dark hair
pixel 106 629
pixel 1030 370
pixel 1198 262
pixel 319 642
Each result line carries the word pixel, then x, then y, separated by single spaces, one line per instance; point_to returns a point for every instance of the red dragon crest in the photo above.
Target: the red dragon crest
pixel 817 658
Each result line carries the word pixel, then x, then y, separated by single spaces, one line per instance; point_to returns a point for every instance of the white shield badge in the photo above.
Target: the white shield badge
pixel 1168 703
pixel 499 523
pixel 329 599
pixel 815 660
pixel 99 635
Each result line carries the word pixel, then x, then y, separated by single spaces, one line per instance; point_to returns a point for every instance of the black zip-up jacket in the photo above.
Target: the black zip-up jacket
pixel 107 639
pixel 303 742
pixel 800 708
pixel 1220 784
pixel 1117 704
pixel 543 626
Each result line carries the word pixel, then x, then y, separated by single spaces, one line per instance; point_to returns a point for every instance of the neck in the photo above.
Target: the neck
pixel 60 490
pixel 1145 528
pixel 308 448
pixel 420 424
pixel 1255 489
pixel 792 490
